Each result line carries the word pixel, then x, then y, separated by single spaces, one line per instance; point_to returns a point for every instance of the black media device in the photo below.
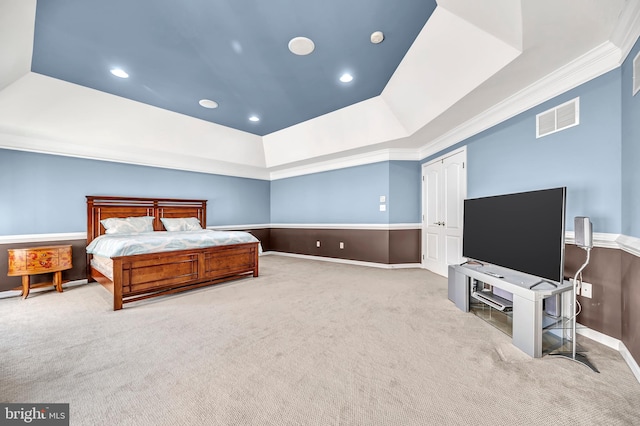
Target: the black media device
pixel 522 231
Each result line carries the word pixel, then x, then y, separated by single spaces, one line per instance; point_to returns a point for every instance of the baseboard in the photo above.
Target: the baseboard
pixel 633 365
pixel 601 338
pixel 347 261
pixel 16 293
pixel 612 343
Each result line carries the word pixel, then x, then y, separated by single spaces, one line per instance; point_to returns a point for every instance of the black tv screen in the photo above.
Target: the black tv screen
pixel 522 231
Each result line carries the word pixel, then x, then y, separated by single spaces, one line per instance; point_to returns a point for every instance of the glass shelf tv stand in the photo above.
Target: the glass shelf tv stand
pixel 520 305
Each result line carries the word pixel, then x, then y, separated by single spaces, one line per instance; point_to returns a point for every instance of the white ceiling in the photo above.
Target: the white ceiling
pixel 473 65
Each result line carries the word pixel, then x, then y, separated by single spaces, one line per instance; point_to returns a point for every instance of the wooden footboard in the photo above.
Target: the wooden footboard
pixel 143 276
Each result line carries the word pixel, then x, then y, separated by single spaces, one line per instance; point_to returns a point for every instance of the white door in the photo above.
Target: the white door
pixel 444 188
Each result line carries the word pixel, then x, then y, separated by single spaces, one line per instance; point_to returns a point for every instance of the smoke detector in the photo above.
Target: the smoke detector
pixel 377 37
pixel 301 46
pixel 208 103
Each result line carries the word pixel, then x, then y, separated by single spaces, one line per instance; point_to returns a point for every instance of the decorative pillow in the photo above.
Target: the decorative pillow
pixel 128 225
pixel 181 224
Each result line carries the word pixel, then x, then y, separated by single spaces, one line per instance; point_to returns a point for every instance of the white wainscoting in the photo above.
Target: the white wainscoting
pixel 600 239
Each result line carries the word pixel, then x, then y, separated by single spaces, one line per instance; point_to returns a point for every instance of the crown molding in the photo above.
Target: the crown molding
pixel 378 156
pixel 594 63
pixel 147 158
pixel 627 31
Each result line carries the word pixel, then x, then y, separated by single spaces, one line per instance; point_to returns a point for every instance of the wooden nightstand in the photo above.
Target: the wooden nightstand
pixel 39 260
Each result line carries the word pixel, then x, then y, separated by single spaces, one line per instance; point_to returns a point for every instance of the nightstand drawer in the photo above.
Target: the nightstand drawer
pixel 42 260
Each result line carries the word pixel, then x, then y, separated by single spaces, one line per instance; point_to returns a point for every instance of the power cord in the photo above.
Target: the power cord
pixel 577 284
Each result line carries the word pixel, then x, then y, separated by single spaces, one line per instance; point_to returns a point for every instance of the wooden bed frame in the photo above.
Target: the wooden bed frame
pixel 142 276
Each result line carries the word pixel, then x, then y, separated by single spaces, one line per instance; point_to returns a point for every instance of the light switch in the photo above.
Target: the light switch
pixel 383 199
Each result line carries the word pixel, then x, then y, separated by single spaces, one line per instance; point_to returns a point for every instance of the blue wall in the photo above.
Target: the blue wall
pixel 42 193
pixel 405 192
pixel 630 149
pixel 585 158
pixel 350 195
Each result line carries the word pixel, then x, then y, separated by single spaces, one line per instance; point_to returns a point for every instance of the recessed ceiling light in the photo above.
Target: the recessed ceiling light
pixel 346 77
pixel 207 103
pixel 254 118
pixel 118 72
pixel 301 46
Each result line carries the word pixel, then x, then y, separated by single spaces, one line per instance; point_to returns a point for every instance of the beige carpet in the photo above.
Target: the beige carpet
pixel 306 343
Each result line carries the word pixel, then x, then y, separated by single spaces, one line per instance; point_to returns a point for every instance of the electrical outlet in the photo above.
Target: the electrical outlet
pixel 341 245
pixel 318 243
pixel 586 290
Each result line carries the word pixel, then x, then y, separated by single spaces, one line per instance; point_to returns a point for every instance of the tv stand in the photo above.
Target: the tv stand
pixel 527 319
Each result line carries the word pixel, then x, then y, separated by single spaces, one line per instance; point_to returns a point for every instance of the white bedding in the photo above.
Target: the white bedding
pixel 113 245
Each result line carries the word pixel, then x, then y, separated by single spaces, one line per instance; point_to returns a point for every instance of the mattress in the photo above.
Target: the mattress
pixel 104 265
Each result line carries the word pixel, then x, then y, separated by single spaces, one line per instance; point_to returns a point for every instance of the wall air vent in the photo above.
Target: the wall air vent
pixel 558 118
pixel 636 74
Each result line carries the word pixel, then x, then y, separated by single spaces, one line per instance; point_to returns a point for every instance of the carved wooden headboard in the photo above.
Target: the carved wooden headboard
pixel 104 207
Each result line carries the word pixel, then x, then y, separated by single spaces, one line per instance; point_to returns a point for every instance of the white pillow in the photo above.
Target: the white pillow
pixel 128 225
pixel 181 224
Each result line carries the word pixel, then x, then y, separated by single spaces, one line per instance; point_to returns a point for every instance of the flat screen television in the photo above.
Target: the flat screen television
pixel 522 231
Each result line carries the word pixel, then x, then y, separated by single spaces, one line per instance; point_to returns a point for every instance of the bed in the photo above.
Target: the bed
pixel 135 277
